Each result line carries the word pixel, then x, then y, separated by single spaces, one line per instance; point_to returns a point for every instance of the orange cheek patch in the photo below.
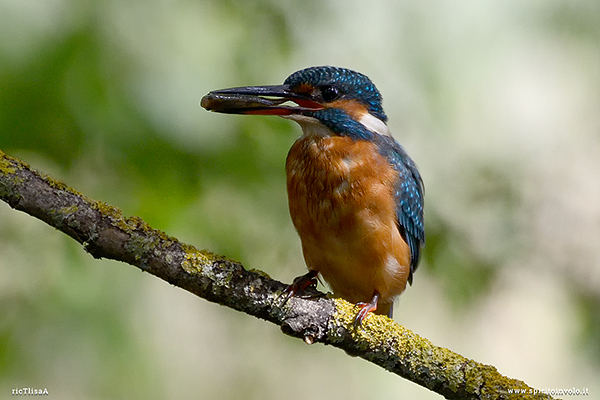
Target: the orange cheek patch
pixel 305 88
pixel 353 108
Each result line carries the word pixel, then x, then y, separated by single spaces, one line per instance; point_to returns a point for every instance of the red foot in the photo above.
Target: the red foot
pixel 366 308
pixel 300 284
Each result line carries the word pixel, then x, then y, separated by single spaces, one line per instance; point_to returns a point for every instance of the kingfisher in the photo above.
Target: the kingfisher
pixel 355 196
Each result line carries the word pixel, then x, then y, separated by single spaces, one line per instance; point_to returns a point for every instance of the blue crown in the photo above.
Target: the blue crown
pixel 351 84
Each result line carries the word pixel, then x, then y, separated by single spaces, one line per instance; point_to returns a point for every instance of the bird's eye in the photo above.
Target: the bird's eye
pixel 330 93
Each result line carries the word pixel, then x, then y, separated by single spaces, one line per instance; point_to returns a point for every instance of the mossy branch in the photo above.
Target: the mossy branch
pixel 105 232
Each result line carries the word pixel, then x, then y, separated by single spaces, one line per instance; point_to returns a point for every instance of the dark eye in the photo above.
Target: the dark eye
pixel 330 93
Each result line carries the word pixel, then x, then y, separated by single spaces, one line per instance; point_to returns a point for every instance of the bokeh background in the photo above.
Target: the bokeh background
pixel 497 102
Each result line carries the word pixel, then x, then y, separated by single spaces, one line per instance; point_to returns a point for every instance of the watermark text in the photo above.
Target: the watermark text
pixel 27 391
pixel 573 391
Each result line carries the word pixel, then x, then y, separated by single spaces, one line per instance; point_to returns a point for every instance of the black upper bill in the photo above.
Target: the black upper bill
pixel 268 100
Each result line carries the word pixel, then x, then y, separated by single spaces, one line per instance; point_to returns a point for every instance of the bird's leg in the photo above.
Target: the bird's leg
pixel 365 309
pixel 300 284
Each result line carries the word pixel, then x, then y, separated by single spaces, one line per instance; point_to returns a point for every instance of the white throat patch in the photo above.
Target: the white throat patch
pixel 310 126
pixel 374 124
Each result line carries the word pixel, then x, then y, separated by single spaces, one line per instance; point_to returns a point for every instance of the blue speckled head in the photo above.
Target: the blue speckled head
pixel 351 85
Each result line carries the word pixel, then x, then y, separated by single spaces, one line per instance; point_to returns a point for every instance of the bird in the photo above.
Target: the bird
pixel 355 196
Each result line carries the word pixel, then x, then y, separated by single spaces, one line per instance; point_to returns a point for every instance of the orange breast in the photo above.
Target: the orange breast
pixel 341 199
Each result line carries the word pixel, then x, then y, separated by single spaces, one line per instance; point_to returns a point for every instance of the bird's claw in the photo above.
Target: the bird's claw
pixel 365 309
pixel 299 285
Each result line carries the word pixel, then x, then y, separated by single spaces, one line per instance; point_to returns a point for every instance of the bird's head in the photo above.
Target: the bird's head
pixel 344 102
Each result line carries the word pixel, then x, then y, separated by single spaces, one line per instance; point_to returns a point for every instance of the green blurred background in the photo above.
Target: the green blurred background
pixel 497 102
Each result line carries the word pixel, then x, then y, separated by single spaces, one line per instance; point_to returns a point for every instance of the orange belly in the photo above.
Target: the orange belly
pixel 341 199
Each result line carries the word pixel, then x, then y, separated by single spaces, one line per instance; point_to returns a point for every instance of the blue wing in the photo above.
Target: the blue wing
pixel 409 198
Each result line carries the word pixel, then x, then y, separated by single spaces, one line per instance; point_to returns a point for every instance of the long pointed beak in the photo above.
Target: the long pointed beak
pixel 262 100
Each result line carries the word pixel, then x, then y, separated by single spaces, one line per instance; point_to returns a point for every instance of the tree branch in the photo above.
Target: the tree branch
pixel 105 232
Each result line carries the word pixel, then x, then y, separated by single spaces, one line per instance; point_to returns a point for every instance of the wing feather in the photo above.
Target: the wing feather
pixel 409 196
